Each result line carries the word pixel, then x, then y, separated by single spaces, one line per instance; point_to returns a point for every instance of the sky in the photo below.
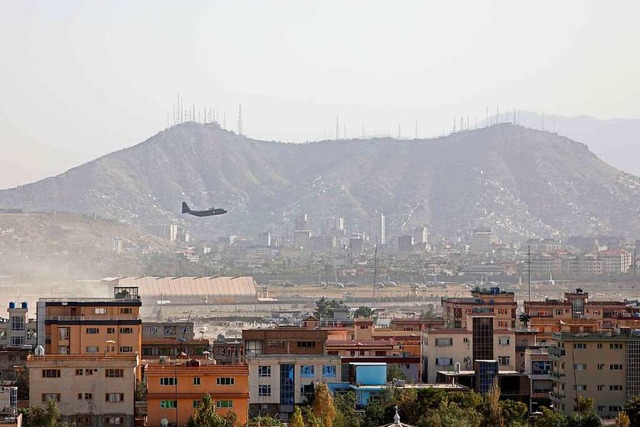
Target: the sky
pixel 80 79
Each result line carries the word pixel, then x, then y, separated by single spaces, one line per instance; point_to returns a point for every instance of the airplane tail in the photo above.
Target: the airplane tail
pixel 185 208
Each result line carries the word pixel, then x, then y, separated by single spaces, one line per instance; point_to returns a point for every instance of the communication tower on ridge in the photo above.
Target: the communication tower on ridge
pixel 240 120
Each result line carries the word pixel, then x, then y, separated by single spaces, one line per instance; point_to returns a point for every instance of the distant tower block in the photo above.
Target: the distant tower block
pixel 240 130
pixel 337 127
pixel 377 229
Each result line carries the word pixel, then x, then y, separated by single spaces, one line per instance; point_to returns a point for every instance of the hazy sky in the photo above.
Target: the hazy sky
pixel 82 79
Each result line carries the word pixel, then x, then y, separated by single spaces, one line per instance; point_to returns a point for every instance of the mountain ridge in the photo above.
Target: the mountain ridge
pixel 520 181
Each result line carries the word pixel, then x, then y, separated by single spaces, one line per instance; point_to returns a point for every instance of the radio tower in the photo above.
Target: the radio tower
pixel 240 119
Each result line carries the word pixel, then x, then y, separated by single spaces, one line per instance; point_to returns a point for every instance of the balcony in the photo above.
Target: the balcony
pixel 556 375
pixel 556 352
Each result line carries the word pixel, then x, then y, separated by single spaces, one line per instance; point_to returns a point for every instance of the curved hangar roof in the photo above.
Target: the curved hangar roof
pixel 187 286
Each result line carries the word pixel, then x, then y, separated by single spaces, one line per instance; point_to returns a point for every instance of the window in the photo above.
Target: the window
pixel 600 387
pixel 225 381
pixel 444 342
pixel 51 396
pixel 100 310
pixel 112 421
pixel 196 380
pixel 615 388
pixel 599 345
pixel 127 310
pixel 63 349
pixel 168 381
pixel 504 360
pixel 444 361
pixel 126 330
pixel 580 366
pixel 559 312
pixel 616 367
pixel 79 371
pixel 114 373
pixel 85 396
pixel 111 330
pixel 264 371
pixel 275 344
pixel 503 341
pixel 579 346
pixel 168 404
pixel 63 334
pixel 306 344
pixel 196 403
pixel 580 387
pixel 224 403
pixel 616 346
pixel 126 349
pixel 600 366
pixel 17 341
pixel 17 323
pixel 615 408
pixel 50 373
pixel 84 419
pixel 114 397
pixel 89 371
pixel 329 371
pixel 92 349
pixel 307 371
pixel 264 390
pixel 93 331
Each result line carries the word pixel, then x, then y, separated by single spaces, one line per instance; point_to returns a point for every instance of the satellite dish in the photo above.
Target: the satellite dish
pixel 164 422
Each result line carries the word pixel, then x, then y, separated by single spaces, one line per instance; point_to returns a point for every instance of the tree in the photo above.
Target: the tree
pixel 205 416
pixel 324 307
pixel 394 372
pixel 39 416
pixel 364 312
pixel 622 420
pixel 323 407
pixel 295 420
pixel 494 409
pixel 513 412
pixel 586 415
pixel 632 409
pixel 525 319
pixel 550 418
pixel 451 415
pixel 346 414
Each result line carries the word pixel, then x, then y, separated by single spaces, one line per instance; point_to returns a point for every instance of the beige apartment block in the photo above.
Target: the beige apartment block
pixel 601 366
pixel 443 349
pixel 89 390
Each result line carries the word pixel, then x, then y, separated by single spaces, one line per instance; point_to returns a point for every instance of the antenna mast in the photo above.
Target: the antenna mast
pixel 240 119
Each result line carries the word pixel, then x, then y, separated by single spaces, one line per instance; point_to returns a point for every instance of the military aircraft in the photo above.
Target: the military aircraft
pixel 208 212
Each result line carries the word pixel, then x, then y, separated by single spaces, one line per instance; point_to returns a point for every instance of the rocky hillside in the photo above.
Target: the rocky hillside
pixel 519 181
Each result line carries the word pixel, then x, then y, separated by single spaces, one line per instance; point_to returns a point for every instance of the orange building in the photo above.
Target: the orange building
pixel 91 325
pixel 176 387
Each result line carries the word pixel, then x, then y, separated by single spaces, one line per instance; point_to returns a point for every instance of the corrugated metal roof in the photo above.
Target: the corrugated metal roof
pixel 150 286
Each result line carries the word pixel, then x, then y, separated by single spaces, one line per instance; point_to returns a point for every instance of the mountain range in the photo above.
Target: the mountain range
pixel 519 181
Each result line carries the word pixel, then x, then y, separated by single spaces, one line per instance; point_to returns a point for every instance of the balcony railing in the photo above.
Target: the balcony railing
pixel 556 352
pixel 91 317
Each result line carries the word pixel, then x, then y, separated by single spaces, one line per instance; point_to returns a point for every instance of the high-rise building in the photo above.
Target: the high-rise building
pixel 264 239
pixel 173 232
pixel 420 235
pixel 377 229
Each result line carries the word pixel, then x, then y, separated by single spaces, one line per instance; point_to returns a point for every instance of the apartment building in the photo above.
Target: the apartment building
pixel 601 366
pixel 175 388
pixel 537 366
pixel 91 325
pixel 284 363
pixel 17 330
pixel 451 349
pixel 503 304
pixel 89 390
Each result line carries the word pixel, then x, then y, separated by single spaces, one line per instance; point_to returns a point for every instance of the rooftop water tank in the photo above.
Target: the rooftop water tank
pixel 39 351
